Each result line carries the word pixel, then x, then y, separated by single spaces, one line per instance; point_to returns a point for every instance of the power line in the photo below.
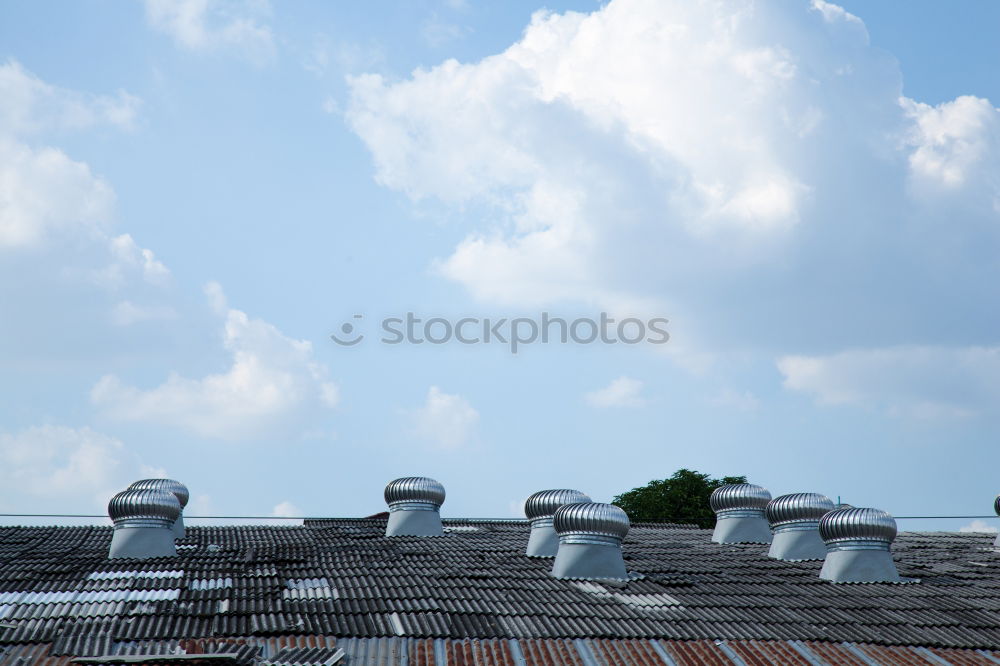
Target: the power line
pixel 187 517
pixel 962 517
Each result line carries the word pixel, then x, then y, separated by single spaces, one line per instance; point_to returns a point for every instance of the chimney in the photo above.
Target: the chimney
pixel 857 544
pixel 996 509
pixel 739 513
pixel 179 490
pixel 794 520
pixel 539 508
pixel 144 521
pixel 414 507
pixel 590 541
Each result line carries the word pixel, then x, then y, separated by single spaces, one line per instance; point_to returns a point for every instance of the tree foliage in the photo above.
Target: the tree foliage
pixel 683 498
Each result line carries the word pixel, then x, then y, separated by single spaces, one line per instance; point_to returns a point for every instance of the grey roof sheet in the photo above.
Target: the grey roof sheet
pixel 343 578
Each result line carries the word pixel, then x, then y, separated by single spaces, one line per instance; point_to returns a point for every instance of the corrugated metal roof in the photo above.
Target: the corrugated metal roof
pixel 511 652
pixel 30 654
pixel 343 578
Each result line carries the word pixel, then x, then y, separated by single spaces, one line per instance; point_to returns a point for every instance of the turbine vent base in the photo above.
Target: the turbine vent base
pixel 141 543
pixel 744 529
pixel 859 566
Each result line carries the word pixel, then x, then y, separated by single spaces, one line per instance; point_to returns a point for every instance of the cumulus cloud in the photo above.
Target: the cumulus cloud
pixel 29 105
pixel 127 313
pixel 57 245
pixel 272 378
pixel 215 25
pixel 64 469
pixel 45 195
pixel 56 219
pixel 955 144
pixel 437 32
pixel 978 526
pixel 740 165
pixel 621 392
pixel 285 509
pixel 743 401
pixel 445 420
pixel 43 192
pixel 127 259
pixel 913 381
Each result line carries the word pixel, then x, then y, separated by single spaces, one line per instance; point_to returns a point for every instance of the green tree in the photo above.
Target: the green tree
pixel 683 498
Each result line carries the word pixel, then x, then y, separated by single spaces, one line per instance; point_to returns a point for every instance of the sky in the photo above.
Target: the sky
pixel 196 195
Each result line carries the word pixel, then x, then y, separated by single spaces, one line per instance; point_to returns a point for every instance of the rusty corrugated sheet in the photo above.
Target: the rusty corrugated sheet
pixel 894 656
pixel 397 651
pixel 624 653
pixel 763 653
pixel 35 654
pixel 966 657
pixel 701 653
pixel 478 653
pixel 421 652
pixel 544 652
pixel 836 655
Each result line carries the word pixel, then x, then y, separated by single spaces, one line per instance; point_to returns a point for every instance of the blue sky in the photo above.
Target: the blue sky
pixel 194 195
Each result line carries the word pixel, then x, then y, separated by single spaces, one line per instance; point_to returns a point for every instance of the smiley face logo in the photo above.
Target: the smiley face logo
pixel 347 328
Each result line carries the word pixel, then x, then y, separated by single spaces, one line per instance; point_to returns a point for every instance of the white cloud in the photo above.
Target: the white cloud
pixel 912 381
pixel 69 470
pixel 437 32
pixel 54 230
pixel 286 509
pixel 29 105
pixel 201 504
pixel 126 251
pixel 216 298
pixel 621 392
pixel 45 193
pixel 61 265
pixel 127 257
pixel 127 313
pixel 446 420
pixel 978 526
pixel 216 25
pixel 740 165
pixel 955 145
pixel 744 401
pixel 271 380
pixel 47 197
pixel 834 13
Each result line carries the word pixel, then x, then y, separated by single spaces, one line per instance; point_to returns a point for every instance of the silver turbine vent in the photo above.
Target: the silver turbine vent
pixel 179 490
pixel 583 520
pixel 858 542
pixel 739 512
pixel 144 508
pixel 414 490
pixel 144 522
pixel 539 508
pixel 996 509
pixel 858 529
pixel 590 537
pixel 543 504
pixel 797 509
pixel 414 506
pixel 794 520
pixel 741 497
